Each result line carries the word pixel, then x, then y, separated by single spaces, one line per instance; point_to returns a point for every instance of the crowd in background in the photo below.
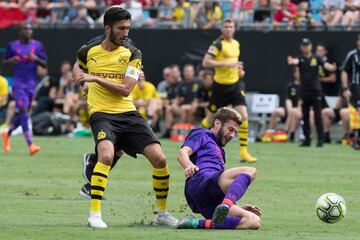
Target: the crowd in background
pixel 286 14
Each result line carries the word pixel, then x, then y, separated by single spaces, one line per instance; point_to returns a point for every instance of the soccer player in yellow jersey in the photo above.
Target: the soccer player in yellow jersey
pixel 223 55
pixel 147 101
pixel 112 68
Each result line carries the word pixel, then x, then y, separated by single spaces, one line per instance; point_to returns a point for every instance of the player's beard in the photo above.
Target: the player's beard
pixel 116 41
pixel 221 137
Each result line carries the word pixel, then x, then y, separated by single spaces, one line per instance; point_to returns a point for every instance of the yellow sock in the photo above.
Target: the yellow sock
pixel 98 185
pixel 243 136
pixel 161 186
pixel 205 123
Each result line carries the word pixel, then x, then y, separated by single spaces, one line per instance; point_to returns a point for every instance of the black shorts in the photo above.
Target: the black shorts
pixel 127 131
pixel 324 103
pixel 355 96
pixel 225 95
pixel 337 115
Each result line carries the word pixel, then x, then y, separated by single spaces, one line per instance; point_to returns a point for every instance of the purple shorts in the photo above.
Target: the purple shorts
pixel 203 194
pixel 23 98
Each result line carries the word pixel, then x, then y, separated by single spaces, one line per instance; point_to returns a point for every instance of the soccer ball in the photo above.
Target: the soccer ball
pixel 330 208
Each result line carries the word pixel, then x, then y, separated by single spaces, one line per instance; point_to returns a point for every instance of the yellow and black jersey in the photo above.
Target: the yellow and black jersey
pixel 111 66
pixel 225 51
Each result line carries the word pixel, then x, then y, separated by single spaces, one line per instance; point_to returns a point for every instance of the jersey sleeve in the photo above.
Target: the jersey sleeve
pixel 82 57
pixel 40 52
pixel 194 142
pixel 215 48
pixel 4 90
pixel 288 91
pixel 346 65
pixel 9 52
pixel 136 59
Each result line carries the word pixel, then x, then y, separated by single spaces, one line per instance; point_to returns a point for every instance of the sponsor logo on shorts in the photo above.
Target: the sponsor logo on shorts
pixel 101 135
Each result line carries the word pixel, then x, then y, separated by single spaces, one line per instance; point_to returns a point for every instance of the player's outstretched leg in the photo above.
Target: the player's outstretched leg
pixel 234 183
pixel 160 182
pixel 239 219
pixel 24 122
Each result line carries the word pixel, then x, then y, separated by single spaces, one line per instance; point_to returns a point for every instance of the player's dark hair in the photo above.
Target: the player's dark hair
pixel 114 14
pixel 226 114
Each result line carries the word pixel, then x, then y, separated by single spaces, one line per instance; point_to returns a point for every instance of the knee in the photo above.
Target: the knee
pixel 106 158
pixel 255 222
pixel 252 172
pixel 159 161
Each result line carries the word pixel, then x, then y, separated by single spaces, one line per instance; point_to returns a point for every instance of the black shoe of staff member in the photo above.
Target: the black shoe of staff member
pixel 305 143
pixel 319 144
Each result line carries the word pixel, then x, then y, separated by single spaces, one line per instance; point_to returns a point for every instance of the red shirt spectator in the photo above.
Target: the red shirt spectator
pixel 287 10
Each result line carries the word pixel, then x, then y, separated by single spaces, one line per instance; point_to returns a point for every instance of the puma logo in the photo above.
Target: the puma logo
pixel 93 59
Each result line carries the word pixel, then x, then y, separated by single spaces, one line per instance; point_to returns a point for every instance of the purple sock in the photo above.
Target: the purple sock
pixel 24 119
pixel 237 189
pixel 15 123
pixel 230 222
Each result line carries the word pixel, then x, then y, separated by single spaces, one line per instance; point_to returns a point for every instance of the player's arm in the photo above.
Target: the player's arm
pixel 329 79
pixel 210 62
pixel 123 88
pixel 39 56
pixel 288 105
pixel 345 69
pixel 293 61
pixel 10 56
pixel 183 158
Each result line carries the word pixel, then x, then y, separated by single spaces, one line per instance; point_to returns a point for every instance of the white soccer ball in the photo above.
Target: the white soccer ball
pixel 330 208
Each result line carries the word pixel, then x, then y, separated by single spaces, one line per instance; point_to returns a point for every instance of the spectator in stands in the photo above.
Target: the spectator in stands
pixel 333 12
pixel 285 14
pixel 166 11
pixel 69 96
pixel 334 115
pixel 181 12
pixel 43 13
pixel 316 9
pixel 135 9
pixel 291 113
pixel 147 101
pixel 243 11
pixel 59 9
pixel 351 16
pixel 172 102
pixel 45 92
pixel 187 93
pixel 161 88
pixel 262 14
pixel 64 68
pixel 209 15
pixel 201 101
pixel 77 13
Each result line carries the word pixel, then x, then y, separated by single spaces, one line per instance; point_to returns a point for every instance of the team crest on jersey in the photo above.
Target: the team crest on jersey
pixel 195 87
pixel 101 135
pixel 213 107
pixel 313 62
pixel 122 60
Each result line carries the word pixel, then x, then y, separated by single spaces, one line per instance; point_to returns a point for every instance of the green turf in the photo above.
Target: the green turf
pixel 39 195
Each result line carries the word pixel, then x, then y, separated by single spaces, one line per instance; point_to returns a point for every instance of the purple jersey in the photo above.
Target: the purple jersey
pixel 25 72
pixel 208 155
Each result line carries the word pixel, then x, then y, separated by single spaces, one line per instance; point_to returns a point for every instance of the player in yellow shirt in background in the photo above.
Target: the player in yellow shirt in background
pixel 4 91
pixel 147 101
pixel 223 55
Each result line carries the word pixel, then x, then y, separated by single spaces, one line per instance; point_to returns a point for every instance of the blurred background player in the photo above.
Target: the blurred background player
pixel 25 54
pixel 147 101
pixel 308 65
pixel 223 55
pixel 350 80
pixel 211 190
pixel 291 113
pixel 201 101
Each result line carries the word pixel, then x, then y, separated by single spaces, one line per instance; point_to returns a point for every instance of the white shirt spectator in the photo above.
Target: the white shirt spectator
pixel 135 9
pixel 334 4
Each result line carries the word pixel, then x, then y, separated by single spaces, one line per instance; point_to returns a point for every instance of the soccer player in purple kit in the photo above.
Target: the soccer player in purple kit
pixel 211 190
pixel 25 54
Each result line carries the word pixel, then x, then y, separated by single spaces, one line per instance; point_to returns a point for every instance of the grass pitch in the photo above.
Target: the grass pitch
pixel 39 195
